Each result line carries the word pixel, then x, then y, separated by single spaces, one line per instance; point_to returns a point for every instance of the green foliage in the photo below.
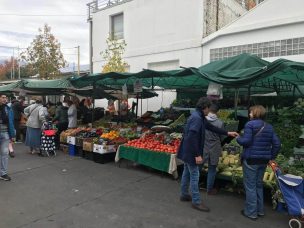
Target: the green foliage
pixel 289 135
pixel 185 103
pixel 113 56
pixel 44 55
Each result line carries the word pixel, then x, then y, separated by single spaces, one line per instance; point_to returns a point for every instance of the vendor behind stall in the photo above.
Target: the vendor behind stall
pixel 61 121
pixel 72 115
pixel 111 107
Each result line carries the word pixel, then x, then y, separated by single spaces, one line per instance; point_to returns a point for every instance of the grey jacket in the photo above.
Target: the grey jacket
pixel 213 148
pixel 36 115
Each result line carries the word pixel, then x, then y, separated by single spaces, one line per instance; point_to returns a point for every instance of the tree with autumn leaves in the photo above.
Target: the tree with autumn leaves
pixel 44 56
pixel 113 56
pixel 7 66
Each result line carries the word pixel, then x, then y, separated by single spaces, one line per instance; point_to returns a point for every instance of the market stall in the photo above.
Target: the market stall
pixel 165 162
pixel 242 75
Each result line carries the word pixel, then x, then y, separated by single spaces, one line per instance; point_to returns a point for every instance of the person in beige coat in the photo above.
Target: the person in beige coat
pixel 36 114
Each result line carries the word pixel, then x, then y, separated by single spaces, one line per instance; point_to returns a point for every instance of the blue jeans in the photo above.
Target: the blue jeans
pixel 253 183
pixel 4 141
pixel 191 177
pixel 211 177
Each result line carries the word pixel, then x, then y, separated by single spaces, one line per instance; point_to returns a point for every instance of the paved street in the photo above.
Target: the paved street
pixel 72 192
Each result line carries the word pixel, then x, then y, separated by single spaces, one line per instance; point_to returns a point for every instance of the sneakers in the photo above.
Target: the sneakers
pixel 5 177
pixel 201 207
pixel 185 198
pixel 251 218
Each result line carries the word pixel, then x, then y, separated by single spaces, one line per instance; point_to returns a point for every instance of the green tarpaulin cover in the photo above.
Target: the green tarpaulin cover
pixel 155 160
pixel 240 71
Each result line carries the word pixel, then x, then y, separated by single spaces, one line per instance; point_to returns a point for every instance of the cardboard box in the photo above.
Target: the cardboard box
pixel 63 137
pixel 87 146
pixel 104 149
pixel 71 140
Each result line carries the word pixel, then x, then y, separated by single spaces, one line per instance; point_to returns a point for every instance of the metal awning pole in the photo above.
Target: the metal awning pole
pixel 249 95
pixel 236 97
pixel 136 105
pixel 141 104
pixel 93 99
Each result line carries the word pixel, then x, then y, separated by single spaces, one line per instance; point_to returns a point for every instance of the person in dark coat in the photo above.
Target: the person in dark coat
pixel 261 144
pixel 213 147
pixel 17 107
pixel 191 150
pixel 61 120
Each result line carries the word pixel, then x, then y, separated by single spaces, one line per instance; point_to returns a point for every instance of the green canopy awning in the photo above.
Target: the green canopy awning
pixel 10 87
pixel 35 84
pixel 232 72
pixel 242 72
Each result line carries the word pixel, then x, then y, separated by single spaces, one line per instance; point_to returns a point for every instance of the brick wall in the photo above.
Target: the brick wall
pixel 218 13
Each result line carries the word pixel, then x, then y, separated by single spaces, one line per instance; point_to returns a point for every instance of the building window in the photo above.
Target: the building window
pixel 117 28
pixel 275 48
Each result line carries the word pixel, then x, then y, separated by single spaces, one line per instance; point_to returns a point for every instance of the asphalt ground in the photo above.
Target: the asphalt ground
pixel 71 192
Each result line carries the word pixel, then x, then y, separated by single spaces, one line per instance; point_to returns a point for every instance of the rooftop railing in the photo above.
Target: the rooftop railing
pixel 101 4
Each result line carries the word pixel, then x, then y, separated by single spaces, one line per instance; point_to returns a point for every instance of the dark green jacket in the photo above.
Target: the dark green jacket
pixel 61 114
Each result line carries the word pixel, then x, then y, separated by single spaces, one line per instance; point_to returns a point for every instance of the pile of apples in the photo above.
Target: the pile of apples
pixel 155 143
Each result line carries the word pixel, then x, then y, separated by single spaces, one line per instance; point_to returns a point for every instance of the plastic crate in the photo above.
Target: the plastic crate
pixel 103 158
pixel 73 150
pixel 80 152
pixel 79 141
pixel 88 155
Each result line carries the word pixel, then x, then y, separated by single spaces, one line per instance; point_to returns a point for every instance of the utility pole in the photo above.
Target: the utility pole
pixel 18 63
pixel 13 70
pixel 78 54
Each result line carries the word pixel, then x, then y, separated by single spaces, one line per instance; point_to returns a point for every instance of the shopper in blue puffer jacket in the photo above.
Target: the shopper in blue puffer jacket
pixel 261 144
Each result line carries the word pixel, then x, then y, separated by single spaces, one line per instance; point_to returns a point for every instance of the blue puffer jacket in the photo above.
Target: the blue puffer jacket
pixel 263 145
pixel 10 126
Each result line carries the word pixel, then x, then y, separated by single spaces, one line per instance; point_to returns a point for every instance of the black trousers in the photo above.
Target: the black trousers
pixel 17 128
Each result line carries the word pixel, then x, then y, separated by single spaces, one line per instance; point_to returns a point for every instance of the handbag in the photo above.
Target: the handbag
pixel 23 120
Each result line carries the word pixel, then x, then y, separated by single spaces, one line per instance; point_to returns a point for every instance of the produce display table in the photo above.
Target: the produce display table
pixel 165 162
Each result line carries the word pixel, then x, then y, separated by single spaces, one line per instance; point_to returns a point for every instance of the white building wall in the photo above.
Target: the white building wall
pixel 160 35
pixel 270 21
pixel 257 36
pixel 154 31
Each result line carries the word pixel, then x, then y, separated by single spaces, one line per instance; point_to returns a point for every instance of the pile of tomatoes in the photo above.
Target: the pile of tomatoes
pixel 155 143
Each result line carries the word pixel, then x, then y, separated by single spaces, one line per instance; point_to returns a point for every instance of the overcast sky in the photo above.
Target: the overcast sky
pixel 71 31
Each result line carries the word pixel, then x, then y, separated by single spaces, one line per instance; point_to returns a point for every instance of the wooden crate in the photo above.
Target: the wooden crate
pixel 64 148
pixel 63 137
